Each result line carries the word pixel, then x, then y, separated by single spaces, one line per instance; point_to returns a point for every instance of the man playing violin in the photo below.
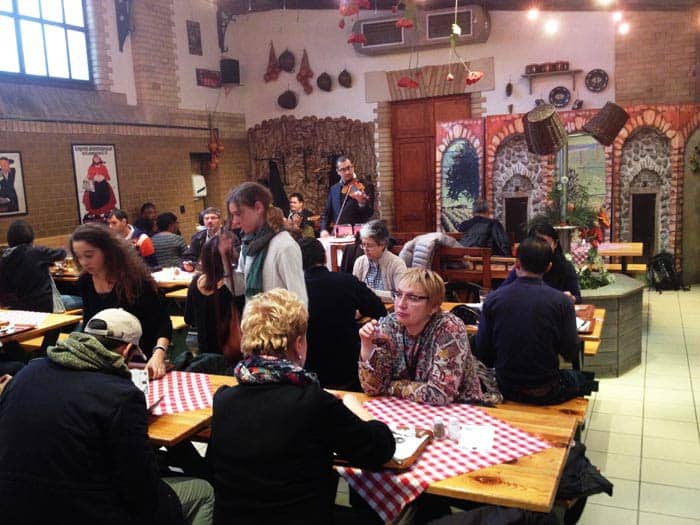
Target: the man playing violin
pixel 349 200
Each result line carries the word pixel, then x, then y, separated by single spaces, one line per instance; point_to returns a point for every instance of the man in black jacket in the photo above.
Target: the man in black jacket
pixel 212 226
pixel 74 439
pixel 484 232
pixel 334 300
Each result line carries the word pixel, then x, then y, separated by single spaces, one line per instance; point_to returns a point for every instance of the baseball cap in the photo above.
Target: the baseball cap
pixel 115 323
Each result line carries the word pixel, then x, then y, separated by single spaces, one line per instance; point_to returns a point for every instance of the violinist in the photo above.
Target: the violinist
pixel 349 200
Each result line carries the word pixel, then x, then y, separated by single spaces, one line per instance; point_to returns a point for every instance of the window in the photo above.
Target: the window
pixel 44 38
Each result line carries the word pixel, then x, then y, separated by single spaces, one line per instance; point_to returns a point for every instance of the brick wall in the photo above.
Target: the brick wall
pixel 656 61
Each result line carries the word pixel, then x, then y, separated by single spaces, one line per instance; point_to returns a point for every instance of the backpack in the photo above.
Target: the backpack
pixel 661 273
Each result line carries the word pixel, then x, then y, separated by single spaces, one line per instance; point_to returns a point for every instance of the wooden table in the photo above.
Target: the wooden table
pixel 178 295
pixel 622 250
pixel 51 322
pixel 335 246
pixel 171 429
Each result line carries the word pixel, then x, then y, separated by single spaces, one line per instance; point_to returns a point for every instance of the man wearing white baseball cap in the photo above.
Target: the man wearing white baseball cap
pixel 74 438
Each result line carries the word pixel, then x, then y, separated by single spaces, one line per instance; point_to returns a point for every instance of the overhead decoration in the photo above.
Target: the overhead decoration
pixel 472 77
pixel 288 100
pixel 287 61
pixel 350 8
pixel 305 74
pixel 124 27
pixel 345 79
pixel 607 123
pixel 324 82
pixel 223 18
pixel 216 148
pixel 273 68
pixel 409 19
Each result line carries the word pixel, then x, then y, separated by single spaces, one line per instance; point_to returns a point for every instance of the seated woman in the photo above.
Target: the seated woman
pixel 378 268
pixel 562 275
pixel 419 352
pixel 274 435
pixel 210 306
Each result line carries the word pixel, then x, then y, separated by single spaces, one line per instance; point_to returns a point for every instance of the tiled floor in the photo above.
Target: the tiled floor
pixel 643 429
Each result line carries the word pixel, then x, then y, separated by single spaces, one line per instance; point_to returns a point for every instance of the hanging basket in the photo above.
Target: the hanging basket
pixel 607 123
pixel 324 82
pixel 544 131
pixel 345 79
pixel 287 61
pixel 288 100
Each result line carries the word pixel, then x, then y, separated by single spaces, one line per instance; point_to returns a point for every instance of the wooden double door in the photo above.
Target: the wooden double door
pixel 413 124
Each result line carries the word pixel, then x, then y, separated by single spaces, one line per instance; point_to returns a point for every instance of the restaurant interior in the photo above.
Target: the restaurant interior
pixel 186 99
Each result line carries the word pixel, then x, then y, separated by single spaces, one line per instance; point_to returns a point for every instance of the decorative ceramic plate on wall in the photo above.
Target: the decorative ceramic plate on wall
pixel 559 97
pixel 596 80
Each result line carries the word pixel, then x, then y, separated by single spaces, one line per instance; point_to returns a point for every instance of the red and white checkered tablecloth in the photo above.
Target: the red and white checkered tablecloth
pixel 388 491
pixel 181 391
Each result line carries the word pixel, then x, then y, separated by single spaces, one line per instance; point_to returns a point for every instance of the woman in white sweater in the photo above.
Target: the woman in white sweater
pixel 378 268
pixel 270 258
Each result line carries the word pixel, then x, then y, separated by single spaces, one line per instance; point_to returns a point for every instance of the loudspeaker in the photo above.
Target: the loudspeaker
pixel 229 71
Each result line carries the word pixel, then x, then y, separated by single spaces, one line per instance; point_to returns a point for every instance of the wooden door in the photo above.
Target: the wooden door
pixel 413 140
pixel 644 223
pixel 516 217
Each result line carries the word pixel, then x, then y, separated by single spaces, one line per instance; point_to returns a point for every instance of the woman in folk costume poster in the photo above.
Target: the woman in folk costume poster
pixel 98 197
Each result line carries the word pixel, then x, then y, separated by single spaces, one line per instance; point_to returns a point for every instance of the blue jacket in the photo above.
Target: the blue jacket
pixel 353 213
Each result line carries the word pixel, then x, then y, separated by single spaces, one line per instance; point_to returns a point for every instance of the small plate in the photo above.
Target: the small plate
pixel 596 80
pixel 559 97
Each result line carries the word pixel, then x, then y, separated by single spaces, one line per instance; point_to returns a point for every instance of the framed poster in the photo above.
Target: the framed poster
pixel 13 199
pixel 194 37
pixel 96 181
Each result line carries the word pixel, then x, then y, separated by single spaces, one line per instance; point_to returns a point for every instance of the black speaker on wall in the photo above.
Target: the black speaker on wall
pixel 230 73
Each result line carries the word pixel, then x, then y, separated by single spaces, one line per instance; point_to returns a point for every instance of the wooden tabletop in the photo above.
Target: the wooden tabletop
pixel 621 249
pixel 171 429
pixel 51 322
pixel 599 317
pixel 178 295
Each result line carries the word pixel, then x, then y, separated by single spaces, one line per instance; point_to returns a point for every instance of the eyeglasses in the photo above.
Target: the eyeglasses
pixel 411 298
pixel 366 246
pixel 345 168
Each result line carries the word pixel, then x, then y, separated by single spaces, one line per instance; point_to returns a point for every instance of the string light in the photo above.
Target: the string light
pixel 623 28
pixel 617 16
pixel 551 26
pixel 533 14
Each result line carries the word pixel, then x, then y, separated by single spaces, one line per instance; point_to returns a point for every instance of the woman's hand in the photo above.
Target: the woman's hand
pixel 366 333
pixel 156 365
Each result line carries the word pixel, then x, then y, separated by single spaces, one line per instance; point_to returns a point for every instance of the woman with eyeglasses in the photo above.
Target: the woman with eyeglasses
pixel 378 268
pixel 419 352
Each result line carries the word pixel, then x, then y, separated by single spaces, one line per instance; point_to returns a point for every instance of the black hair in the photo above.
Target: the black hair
pixel 544 228
pixel 312 252
pixel 147 205
pixel 298 195
pixel 119 214
pixel 20 232
pixel 341 159
pixel 165 220
pixel 534 255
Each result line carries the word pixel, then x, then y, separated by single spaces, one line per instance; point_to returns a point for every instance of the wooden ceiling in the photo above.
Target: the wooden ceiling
pixel 234 7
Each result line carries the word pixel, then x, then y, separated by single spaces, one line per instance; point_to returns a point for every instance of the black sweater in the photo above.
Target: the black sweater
pixel 271 451
pixel 25 283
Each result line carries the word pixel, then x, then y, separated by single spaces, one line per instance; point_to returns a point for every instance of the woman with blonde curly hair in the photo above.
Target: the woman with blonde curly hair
pixel 270 257
pixel 274 435
pixel 114 276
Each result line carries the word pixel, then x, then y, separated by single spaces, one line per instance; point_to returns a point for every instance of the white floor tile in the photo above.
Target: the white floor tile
pixel 678 430
pixel 669 473
pixel 675 501
pixel 655 410
pixel 671 450
pixel 668 382
pixel 625 495
pixel 647 518
pixel 614 443
pixel 616 465
pixel 663 395
pixel 598 514
pixel 609 390
pixel 625 407
pixel 667 369
pixel 616 423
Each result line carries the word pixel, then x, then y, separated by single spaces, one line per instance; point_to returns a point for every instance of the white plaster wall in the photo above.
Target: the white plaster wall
pixel 122 62
pixel 193 96
pixel 585 39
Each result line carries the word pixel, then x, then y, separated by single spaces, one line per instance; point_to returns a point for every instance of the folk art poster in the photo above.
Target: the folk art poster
pixel 96 181
pixel 12 196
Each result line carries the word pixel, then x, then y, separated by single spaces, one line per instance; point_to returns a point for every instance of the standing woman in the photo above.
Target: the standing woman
pixel 114 276
pixel 270 257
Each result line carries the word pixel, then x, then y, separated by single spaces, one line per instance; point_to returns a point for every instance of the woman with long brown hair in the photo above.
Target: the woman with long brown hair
pixel 114 276
pixel 270 257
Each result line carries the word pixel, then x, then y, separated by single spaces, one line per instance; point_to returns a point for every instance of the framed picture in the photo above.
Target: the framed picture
pixel 13 199
pixel 96 181
pixel 194 37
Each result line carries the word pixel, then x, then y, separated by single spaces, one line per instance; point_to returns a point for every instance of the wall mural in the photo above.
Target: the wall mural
pixel 459 160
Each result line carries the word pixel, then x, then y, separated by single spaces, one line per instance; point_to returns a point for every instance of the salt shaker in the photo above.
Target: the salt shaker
pixel 453 429
pixel 438 428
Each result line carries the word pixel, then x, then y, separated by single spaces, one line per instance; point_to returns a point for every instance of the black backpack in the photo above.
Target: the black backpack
pixel 661 273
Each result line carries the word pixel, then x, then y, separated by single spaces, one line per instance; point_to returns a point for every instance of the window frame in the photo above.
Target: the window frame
pixel 22 77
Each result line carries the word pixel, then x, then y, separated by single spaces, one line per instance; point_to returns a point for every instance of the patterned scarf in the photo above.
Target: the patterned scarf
pixel 255 245
pixel 84 352
pixel 267 369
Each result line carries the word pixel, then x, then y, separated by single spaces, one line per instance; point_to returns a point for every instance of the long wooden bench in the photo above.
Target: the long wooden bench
pixel 631 267
pixel 444 258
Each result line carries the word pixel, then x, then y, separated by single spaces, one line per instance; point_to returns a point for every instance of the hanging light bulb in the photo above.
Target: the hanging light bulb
pixel 623 28
pixel 605 3
pixel 533 14
pixel 617 16
pixel 551 26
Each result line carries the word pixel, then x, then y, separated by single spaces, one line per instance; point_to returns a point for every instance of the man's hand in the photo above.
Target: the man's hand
pixel 4 381
pixel 324 234
pixel 570 297
pixel 360 196
pixel 156 365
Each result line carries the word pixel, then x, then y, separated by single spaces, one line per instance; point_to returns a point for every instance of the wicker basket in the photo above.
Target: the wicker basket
pixel 607 123
pixel 544 131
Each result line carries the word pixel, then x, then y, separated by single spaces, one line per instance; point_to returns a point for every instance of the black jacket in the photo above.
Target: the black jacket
pixel 194 249
pixel 334 342
pixel 483 232
pixel 271 451
pixel 74 449
pixel 25 283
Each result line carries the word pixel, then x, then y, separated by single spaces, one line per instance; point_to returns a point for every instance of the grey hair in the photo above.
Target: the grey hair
pixel 480 206
pixel 375 230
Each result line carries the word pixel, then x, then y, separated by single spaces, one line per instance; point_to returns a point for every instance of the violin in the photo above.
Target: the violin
pixel 358 191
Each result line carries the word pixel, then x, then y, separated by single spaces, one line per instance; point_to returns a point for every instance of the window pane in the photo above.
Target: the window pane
pixel 78 55
pixel 33 48
pixel 56 52
pixel 6 5
pixel 29 8
pixel 52 10
pixel 9 59
pixel 74 12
